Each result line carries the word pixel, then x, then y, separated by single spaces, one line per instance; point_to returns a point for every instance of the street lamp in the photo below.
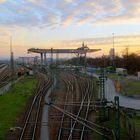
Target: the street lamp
pixel 113 61
pixel 12 59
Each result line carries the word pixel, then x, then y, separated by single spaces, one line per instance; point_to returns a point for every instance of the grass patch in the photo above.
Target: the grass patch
pixel 128 87
pixel 131 87
pixel 125 121
pixel 13 102
pixel 114 76
pixel 111 124
pixel 136 121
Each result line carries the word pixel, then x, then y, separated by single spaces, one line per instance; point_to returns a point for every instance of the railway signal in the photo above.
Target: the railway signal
pixel 117 118
pixel 101 83
pixel 102 79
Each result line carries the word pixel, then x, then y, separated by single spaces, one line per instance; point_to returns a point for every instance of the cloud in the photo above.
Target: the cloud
pixel 2 1
pixel 105 43
pixel 47 13
pixel 120 41
pixel 69 1
pixel 83 20
pixel 117 20
pixel 33 1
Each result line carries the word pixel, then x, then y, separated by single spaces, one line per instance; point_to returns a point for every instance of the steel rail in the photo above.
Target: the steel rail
pixel 31 108
pixel 79 111
pixel 4 77
pixel 86 114
pixel 39 92
pixel 72 96
pixel 82 92
pixel 39 108
pixel 62 119
pixel 76 119
pixel 89 122
pixel 69 84
pixel 36 102
pixel 87 111
pixel 86 93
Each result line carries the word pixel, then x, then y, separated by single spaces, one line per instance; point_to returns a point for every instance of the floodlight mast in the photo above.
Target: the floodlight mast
pixel 12 59
pixel 114 67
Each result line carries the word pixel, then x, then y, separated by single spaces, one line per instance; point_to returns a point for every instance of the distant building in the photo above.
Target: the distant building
pixel 25 60
pixel 121 71
pixel 112 53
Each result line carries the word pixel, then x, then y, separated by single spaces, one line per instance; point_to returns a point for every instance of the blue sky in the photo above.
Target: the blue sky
pixel 42 23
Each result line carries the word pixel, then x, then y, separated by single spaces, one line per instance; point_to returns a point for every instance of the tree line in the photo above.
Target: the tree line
pixel 131 62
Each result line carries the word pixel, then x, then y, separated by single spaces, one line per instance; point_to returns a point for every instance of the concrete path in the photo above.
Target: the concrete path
pixel 44 127
pixel 124 101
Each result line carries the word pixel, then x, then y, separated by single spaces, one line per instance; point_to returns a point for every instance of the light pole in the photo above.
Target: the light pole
pixel 11 59
pixel 113 40
pixel 113 61
pixel 11 54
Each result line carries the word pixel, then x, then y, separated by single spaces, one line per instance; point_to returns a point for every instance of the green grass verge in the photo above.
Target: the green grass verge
pixel 128 87
pixel 125 133
pixel 136 121
pixel 13 102
pixel 131 87
pixel 114 76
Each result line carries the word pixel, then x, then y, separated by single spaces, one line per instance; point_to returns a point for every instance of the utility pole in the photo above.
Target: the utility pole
pixel 57 59
pixel 117 118
pixel 12 59
pixel 85 57
pixel 113 40
pixel 51 57
pixel 36 63
pixel 77 62
pixel 51 68
pixel 101 83
pixel 113 60
pixel 126 57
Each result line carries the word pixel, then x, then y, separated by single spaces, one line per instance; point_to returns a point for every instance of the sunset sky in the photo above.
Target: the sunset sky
pixel 67 23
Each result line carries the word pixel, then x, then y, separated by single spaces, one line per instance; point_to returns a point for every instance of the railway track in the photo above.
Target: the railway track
pixel 77 130
pixel 69 128
pixel 31 127
pixel 74 123
pixel 65 121
pixel 2 65
pixel 5 75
